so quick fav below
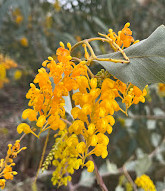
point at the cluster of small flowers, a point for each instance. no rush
(65, 158)
(92, 114)
(47, 102)
(5, 64)
(145, 182)
(6, 164)
(130, 94)
(124, 38)
(17, 15)
(93, 118)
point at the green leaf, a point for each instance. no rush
(112, 167)
(147, 61)
(155, 139)
(108, 167)
(87, 179)
(142, 165)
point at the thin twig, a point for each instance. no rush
(70, 185)
(129, 178)
(22, 137)
(66, 121)
(98, 176)
(42, 156)
(76, 59)
(89, 40)
(155, 151)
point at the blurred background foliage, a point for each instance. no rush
(30, 32)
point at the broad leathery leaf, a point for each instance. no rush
(147, 61)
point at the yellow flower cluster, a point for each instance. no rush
(6, 164)
(93, 118)
(18, 18)
(92, 114)
(47, 102)
(130, 94)
(65, 158)
(145, 182)
(124, 38)
(5, 64)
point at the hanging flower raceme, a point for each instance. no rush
(94, 104)
(6, 164)
(47, 91)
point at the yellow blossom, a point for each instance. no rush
(92, 114)
(23, 127)
(17, 74)
(2, 183)
(24, 42)
(30, 114)
(145, 182)
(6, 164)
(41, 121)
(90, 166)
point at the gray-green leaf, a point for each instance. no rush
(142, 165)
(147, 61)
(87, 179)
